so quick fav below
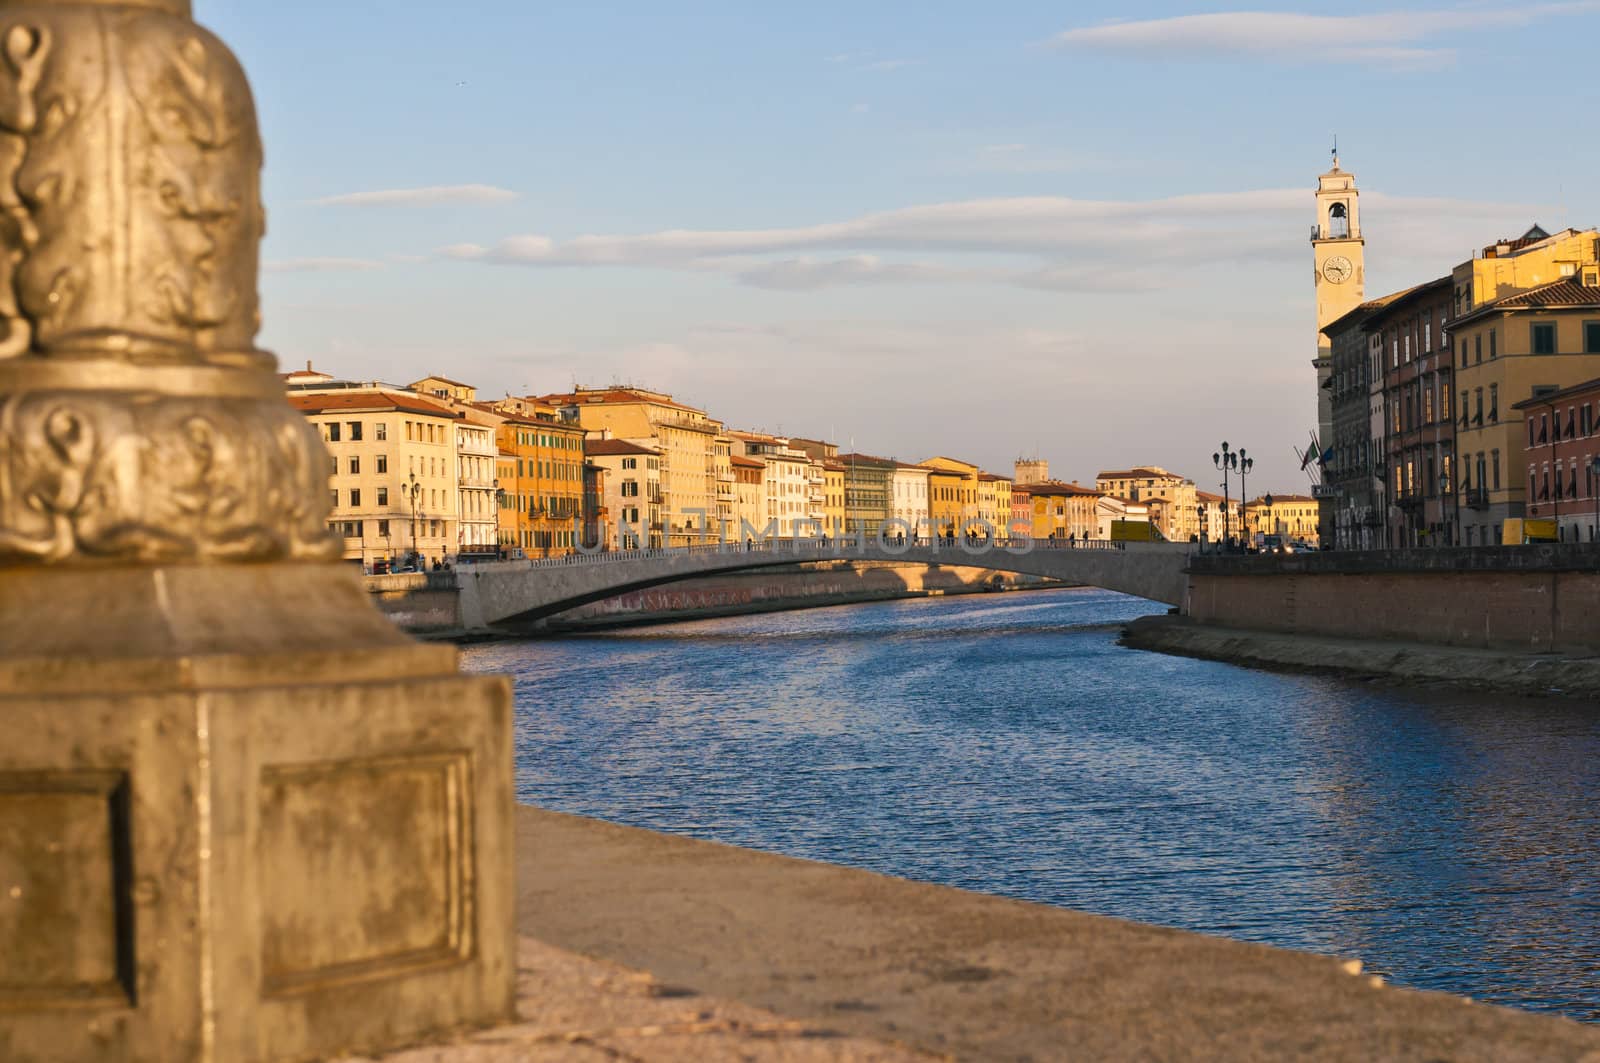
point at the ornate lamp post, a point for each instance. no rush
(244, 818)
(413, 490)
(1232, 461)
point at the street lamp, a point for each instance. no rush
(1444, 514)
(1594, 469)
(413, 489)
(1272, 521)
(1231, 461)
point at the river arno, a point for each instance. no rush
(1005, 743)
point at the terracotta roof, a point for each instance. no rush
(1056, 487)
(613, 396)
(445, 380)
(609, 447)
(846, 459)
(1566, 292)
(1393, 304)
(1207, 496)
(991, 477)
(1261, 500)
(747, 463)
(1136, 474)
(369, 401)
(1534, 402)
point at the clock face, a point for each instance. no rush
(1337, 269)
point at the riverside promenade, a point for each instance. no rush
(644, 946)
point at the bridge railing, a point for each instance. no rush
(971, 551)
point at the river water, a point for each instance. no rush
(1005, 743)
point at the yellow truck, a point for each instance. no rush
(1519, 530)
(1135, 531)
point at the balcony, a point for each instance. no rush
(1477, 498)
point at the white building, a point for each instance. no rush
(908, 496)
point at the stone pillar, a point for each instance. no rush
(241, 817)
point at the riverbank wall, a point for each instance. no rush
(1383, 660)
(428, 604)
(1542, 599)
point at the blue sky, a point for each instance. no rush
(986, 230)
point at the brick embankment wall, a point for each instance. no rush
(1515, 598)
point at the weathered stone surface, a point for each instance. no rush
(262, 871)
(976, 977)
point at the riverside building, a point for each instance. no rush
(1524, 321)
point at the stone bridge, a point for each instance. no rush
(516, 593)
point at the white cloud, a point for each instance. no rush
(433, 195)
(1300, 39)
(1044, 242)
(321, 265)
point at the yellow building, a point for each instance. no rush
(1526, 313)
(952, 496)
(549, 448)
(1180, 519)
(1294, 518)
(994, 503)
(393, 468)
(685, 438)
(442, 387)
(833, 511)
(1063, 510)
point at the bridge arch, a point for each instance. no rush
(516, 593)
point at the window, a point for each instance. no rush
(355, 431)
(335, 463)
(1494, 403)
(1544, 338)
(630, 463)
(383, 525)
(1463, 409)
(380, 431)
(1477, 415)
(1495, 455)
(1477, 348)
(355, 497)
(1427, 406)
(335, 496)
(1591, 337)
(383, 462)
(1463, 353)
(1492, 351)
(1427, 335)
(383, 496)
(333, 431)
(355, 466)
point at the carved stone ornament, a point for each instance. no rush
(138, 420)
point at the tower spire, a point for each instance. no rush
(1336, 151)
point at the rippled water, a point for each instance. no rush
(1005, 743)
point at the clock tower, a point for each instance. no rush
(1339, 275)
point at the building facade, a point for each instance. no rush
(1293, 518)
(908, 499)
(1507, 348)
(1419, 430)
(684, 438)
(952, 496)
(631, 474)
(393, 478)
(1561, 458)
(1064, 511)
(1179, 521)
